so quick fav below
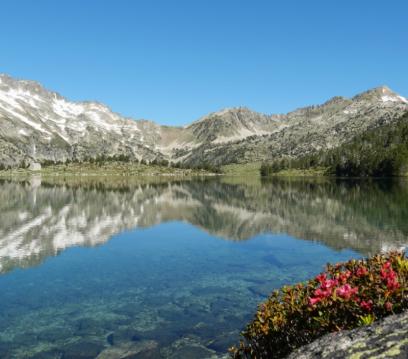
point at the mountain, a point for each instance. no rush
(377, 152)
(41, 125)
(37, 125)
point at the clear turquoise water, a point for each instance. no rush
(174, 284)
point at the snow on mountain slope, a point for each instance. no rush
(45, 126)
(39, 125)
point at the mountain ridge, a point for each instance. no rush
(38, 125)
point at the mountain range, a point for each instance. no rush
(37, 125)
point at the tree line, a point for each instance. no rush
(379, 152)
(103, 159)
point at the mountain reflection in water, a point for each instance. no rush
(39, 220)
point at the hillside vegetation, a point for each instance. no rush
(379, 152)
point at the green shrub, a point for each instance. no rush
(345, 296)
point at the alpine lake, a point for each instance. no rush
(158, 268)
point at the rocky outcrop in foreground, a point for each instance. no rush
(383, 339)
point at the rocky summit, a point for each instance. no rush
(37, 125)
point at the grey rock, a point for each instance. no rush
(82, 350)
(188, 348)
(383, 339)
(128, 350)
(192, 352)
(34, 166)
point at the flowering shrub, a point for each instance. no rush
(345, 296)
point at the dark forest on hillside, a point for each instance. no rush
(378, 152)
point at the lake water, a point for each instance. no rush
(139, 269)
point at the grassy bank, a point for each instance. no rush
(242, 169)
(105, 169)
(317, 172)
(254, 170)
(310, 172)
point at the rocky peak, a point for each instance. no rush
(26, 87)
(381, 93)
(335, 100)
(230, 124)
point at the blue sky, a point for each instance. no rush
(174, 61)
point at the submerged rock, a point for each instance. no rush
(82, 350)
(387, 338)
(128, 350)
(189, 347)
(192, 352)
(110, 339)
(222, 342)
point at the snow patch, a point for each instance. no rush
(350, 111)
(403, 99)
(26, 120)
(66, 109)
(387, 98)
(9, 100)
(22, 132)
(241, 134)
(12, 96)
(101, 122)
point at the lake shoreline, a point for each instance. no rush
(126, 169)
(106, 170)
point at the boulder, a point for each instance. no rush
(387, 338)
(34, 166)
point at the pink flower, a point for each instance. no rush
(330, 283)
(389, 276)
(346, 291)
(366, 305)
(343, 276)
(392, 283)
(321, 277)
(388, 306)
(314, 301)
(386, 270)
(322, 293)
(361, 271)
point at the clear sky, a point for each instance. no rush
(174, 61)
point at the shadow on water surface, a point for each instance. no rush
(183, 265)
